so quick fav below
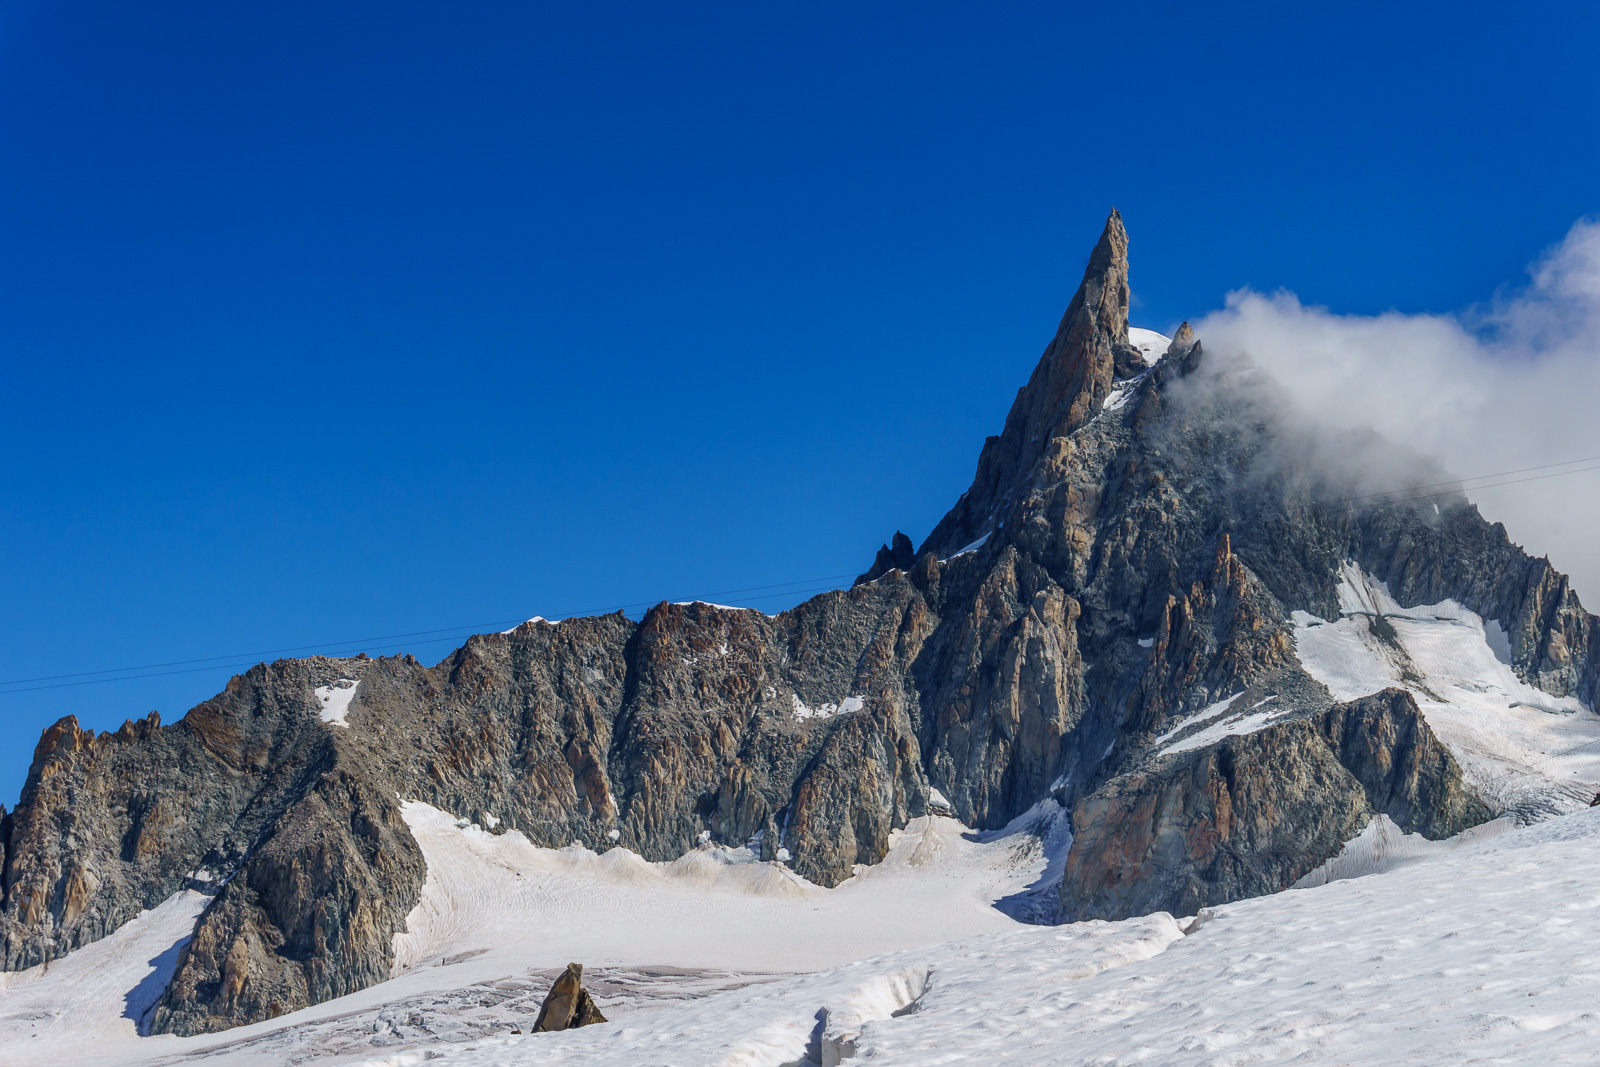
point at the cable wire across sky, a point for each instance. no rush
(808, 586)
(354, 646)
(1453, 485)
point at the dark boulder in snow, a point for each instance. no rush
(568, 1004)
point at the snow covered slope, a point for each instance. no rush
(1522, 749)
(1488, 952)
(102, 991)
(512, 904)
(498, 913)
(1486, 949)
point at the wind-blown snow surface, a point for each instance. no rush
(1523, 749)
(519, 905)
(1484, 949)
(1488, 952)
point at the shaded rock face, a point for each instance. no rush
(1254, 813)
(1112, 570)
(897, 555)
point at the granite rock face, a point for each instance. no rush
(1255, 812)
(1129, 552)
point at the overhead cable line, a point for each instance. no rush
(1470, 489)
(1454, 485)
(250, 658)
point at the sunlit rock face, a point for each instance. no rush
(1121, 613)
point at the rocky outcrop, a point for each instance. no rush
(1067, 388)
(1255, 812)
(309, 917)
(898, 555)
(568, 1004)
(1112, 570)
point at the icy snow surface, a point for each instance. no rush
(335, 700)
(1153, 345)
(1483, 949)
(1488, 952)
(1523, 749)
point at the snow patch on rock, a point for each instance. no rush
(803, 711)
(335, 700)
(1521, 748)
(979, 543)
(1150, 344)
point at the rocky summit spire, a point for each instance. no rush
(1182, 341)
(1067, 388)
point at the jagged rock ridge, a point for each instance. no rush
(1129, 552)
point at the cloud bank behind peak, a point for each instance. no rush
(1510, 384)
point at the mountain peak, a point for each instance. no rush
(1068, 387)
(1182, 340)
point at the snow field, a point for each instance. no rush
(1521, 748)
(495, 908)
(101, 991)
(1484, 948)
(1153, 345)
(1486, 952)
(510, 902)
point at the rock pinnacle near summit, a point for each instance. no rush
(1068, 386)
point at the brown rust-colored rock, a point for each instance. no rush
(568, 1004)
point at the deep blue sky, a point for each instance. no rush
(325, 321)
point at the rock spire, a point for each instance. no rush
(1067, 388)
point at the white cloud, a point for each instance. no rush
(1511, 384)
